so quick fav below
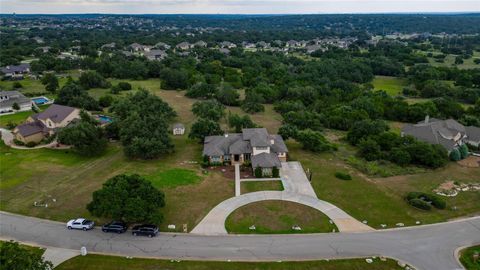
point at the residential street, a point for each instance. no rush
(424, 247)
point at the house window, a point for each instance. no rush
(215, 158)
(247, 156)
(261, 148)
(226, 157)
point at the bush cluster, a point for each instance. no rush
(343, 176)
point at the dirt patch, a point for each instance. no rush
(229, 171)
(470, 162)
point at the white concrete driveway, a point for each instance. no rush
(294, 179)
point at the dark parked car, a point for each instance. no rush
(147, 230)
(115, 226)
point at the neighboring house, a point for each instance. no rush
(15, 71)
(162, 46)
(263, 45)
(253, 145)
(292, 44)
(227, 44)
(448, 133)
(9, 98)
(184, 46)
(135, 47)
(46, 123)
(109, 46)
(248, 45)
(155, 55)
(224, 51)
(44, 49)
(178, 129)
(200, 44)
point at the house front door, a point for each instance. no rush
(236, 158)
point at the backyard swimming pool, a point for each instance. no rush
(104, 119)
(40, 100)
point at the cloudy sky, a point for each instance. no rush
(235, 6)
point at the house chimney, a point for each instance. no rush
(272, 141)
(427, 118)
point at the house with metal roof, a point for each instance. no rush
(253, 146)
(448, 133)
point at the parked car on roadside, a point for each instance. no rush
(146, 230)
(115, 226)
(80, 224)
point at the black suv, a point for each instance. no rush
(148, 230)
(115, 226)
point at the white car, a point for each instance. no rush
(80, 224)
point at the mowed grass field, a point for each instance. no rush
(466, 258)
(99, 262)
(277, 217)
(252, 186)
(392, 85)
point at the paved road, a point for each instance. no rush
(214, 222)
(429, 247)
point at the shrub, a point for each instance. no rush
(11, 125)
(438, 202)
(455, 155)
(31, 144)
(419, 203)
(258, 172)
(17, 85)
(275, 172)
(124, 86)
(18, 142)
(463, 151)
(343, 176)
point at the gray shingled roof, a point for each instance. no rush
(56, 113)
(178, 125)
(15, 69)
(241, 143)
(28, 129)
(436, 132)
(266, 160)
(473, 133)
(14, 97)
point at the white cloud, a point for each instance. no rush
(235, 6)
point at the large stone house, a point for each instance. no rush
(8, 99)
(448, 133)
(15, 72)
(44, 124)
(253, 145)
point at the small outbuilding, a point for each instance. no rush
(178, 129)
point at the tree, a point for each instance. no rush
(74, 95)
(105, 101)
(258, 172)
(15, 106)
(228, 95)
(17, 85)
(399, 156)
(365, 128)
(275, 172)
(51, 82)
(174, 79)
(202, 90)
(86, 137)
(240, 122)
(143, 125)
(130, 198)
(314, 141)
(288, 131)
(369, 149)
(13, 257)
(92, 79)
(209, 109)
(203, 128)
(253, 103)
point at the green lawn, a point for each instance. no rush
(252, 186)
(18, 118)
(466, 258)
(275, 217)
(100, 262)
(29, 85)
(392, 85)
(173, 177)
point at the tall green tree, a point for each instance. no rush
(130, 198)
(15, 257)
(203, 128)
(51, 82)
(209, 109)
